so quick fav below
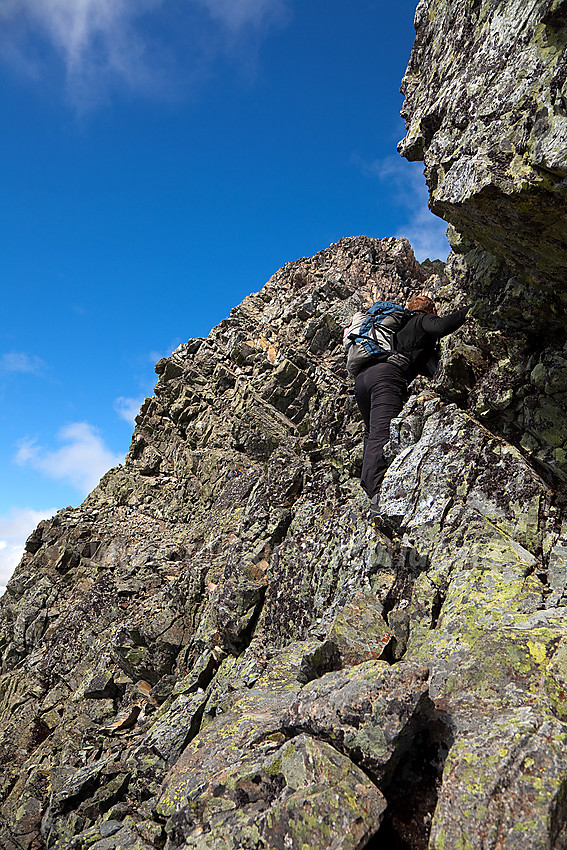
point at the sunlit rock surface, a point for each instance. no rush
(157, 641)
(486, 109)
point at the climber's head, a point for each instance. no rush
(421, 304)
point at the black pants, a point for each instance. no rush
(380, 392)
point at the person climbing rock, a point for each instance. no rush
(380, 388)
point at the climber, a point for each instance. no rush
(380, 388)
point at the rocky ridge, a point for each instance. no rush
(169, 647)
(220, 649)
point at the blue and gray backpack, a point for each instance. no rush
(371, 336)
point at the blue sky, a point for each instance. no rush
(160, 159)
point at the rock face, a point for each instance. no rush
(486, 109)
(198, 656)
(221, 649)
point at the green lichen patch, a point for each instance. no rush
(493, 771)
(359, 630)
(555, 681)
(307, 795)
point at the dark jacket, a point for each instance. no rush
(419, 338)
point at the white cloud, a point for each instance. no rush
(15, 528)
(427, 235)
(81, 461)
(128, 408)
(95, 39)
(103, 44)
(237, 15)
(425, 231)
(19, 361)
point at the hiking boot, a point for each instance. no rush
(374, 505)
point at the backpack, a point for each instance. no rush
(371, 336)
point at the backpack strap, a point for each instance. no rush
(400, 360)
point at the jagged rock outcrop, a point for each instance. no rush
(158, 641)
(486, 109)
(220, 648)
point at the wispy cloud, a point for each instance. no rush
(427, 235)
(128, 408)
(408, 189)
(80, 461)
(237, 15)
(132, 44)
(96, 40)
(19, 361)
(15, 528)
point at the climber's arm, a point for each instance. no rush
(439, 326)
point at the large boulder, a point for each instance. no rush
(485, 109)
